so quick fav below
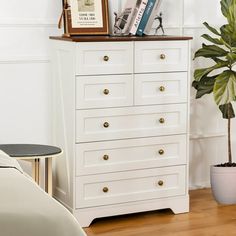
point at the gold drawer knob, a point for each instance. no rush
(162, 120)
(105, 189)
(161, 152)
(160, 182)
(105, 157)
(106, 124)
(162, 88)
(106, 58)
(106, 91)
(162, 56)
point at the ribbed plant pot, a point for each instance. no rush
(223, 184)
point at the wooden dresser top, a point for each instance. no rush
(123, 38)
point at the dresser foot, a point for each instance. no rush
(180, 205)
(85, 216)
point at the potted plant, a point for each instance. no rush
(220, 80)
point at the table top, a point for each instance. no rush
(117, 38)
(29, 150)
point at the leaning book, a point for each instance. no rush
(146, 15)
(140, 9)
(153, 15)
(126, 16)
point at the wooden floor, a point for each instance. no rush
(206, 218)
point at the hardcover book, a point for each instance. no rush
(154, 14)
(126, 16)
(140, 9)
(145, 18)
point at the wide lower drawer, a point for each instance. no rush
(104, 58)
(160, 88)
(161, 56)
(97, 190)
(122, 155)
(104, 91)
(130, 122)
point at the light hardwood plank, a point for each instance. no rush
(206, 218)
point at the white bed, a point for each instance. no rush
(26, 210)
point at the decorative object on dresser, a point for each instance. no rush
(136, 18)
(222, 83)
(85, 17)
(160, 25)
(121, 107)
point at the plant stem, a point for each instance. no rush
(229, 142)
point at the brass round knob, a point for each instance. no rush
(105, 189)
(160, 182)
(162, 88)
(106, 58)
(105, 157)
(161, 151)
(106, 91)
(163, 56)
(106, 124)
(162, 120)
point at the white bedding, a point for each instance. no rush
(26, 210)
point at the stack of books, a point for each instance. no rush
(138, 16)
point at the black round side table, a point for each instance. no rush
(33, 153)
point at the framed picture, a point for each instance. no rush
(86, 17)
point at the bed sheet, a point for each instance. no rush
(26, 210)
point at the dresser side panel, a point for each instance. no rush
(63, 58)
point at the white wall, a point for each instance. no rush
(25, 75)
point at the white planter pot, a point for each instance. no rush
(223, 184)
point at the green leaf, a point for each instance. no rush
(231, 57)
(227, 111)
(228, 34)
(204, 86)
(213, 30)
(225, 4)
(199, 73)
(212, 40)
(225, 87)
(228, 9)
(210, 51)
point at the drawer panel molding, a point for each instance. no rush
(130, 122)
(122, 155)
(163, 56)
(104, 91)
(160, 88)
(122, 187)
(104, 58)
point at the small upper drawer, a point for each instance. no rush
(130, 122)
(104, 58)
(161, 56)
(131, 154)
(114, 188)
(160, 88)
(104, 91)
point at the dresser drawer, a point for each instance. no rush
(104, 91)
(104, 58)
(162, 56)
(97, 190)
(160, 88)
(130, 122)
(122, 155)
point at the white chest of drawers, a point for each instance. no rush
(121, 114)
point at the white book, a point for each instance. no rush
(154, 13)
(137, 18)
(126, 16)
